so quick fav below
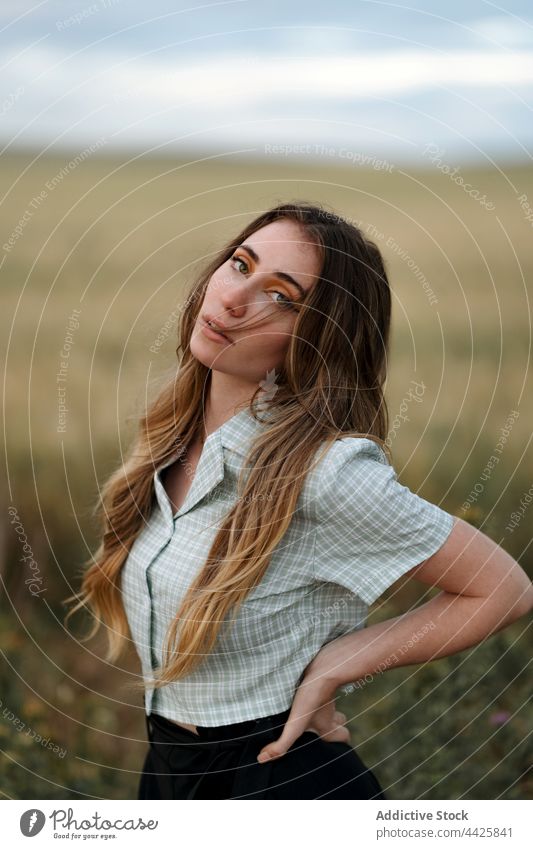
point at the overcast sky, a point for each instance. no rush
(370, 78)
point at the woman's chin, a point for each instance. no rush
(204, 353)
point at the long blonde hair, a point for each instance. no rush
(330, 386)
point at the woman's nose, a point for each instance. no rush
(234, 302)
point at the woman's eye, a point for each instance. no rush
(286, 303)
(237, 259)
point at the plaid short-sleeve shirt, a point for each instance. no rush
(355, 531)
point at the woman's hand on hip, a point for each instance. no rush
(313, 709)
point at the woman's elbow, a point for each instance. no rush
(519, 593)
(524, 602)
(507, 580)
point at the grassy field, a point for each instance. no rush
(114, 243)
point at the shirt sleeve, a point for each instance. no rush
(370, 528)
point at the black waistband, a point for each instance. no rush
(247, 728)
(212, 744)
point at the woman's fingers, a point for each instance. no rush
(307, 701)
(340, 734)
(313, 703)
(298, 721)
(335, 730)
(293, 728)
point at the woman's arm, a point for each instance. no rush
(483, 590)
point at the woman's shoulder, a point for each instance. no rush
(333, 456)
(347, 465)
(350, 446)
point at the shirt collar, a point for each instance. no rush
(238, 431)
(236, 434)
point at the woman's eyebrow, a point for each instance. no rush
(281, 274)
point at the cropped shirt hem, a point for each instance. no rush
(230, 717)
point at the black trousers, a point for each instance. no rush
(220, 763)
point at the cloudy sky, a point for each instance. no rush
(359, 76)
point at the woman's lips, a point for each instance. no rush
(214, 334)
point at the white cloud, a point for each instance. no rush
(217, 81)
(503, 30)
(104, 92)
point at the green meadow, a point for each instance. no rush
(96, 259)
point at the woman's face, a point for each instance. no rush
(250, 295)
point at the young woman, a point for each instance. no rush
(257, 516)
